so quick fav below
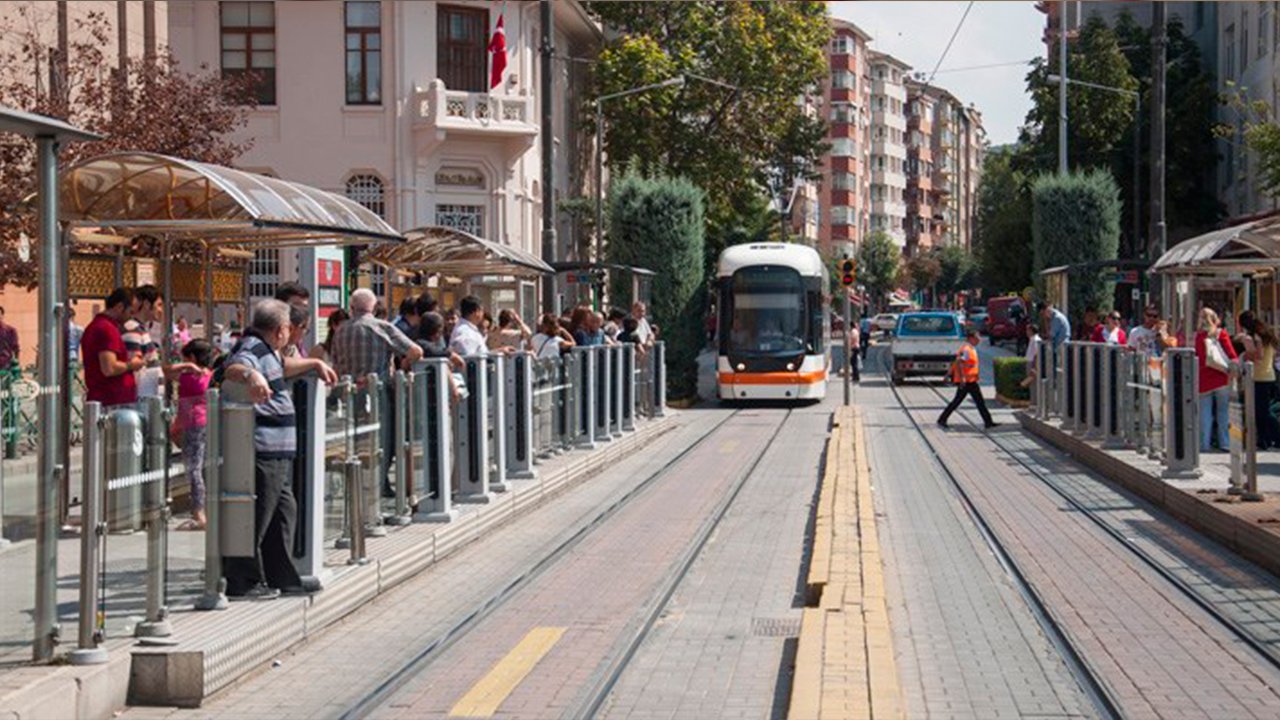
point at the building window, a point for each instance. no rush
(842, 45)
(1199, 16)
(368, 190)
(249, 45)
(1264, 21)
(467, 218)
(841, 215)
(842, 112)
(364, 53)
(844, 80)
(1229, 44)
(1244, 41)
(844, 181)
(842, 147)
(462, 57)
(264, 272)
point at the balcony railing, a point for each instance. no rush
(436, 107)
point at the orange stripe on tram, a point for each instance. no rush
(775, 378)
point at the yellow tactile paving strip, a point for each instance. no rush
(844, 663)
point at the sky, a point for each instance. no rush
(995, 32)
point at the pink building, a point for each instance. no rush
(845, 177)
(390, 103)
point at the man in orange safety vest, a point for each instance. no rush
(964, 373)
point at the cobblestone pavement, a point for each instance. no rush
(596, 595)
(725, 646)
(967, 645)
(1160, 655)
(323, 678)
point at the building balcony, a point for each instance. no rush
(448, 113)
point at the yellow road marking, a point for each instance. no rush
(484, 698)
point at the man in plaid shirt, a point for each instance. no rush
(365, 345)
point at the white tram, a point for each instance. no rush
(773, 329)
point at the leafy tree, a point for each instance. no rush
(152, 107)
(878, 260)
(1260, 132)
(957, 269)
(733, 140)
(1098, 120)
(1076, 219)
(1191, 201)
(1002, 237)
(922, 272)
(658, 223)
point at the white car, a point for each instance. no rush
(885, 322)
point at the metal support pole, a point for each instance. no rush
(155, 519)
(1158, 72)
(599, 180)
(519, 415)
(546, 95)
(1251, 493)
(90, 651)
(585, 380)
(1062, 88)
(603, 392)
(1181, 420)
(50, 362)
(1112, 406)
(215, 587)
(848, 351)
(629, 386)
(614, 353)
(473, 435)
(401, 407)
(372, 509)
(354, 485)
(432, 399)
(497, 410)
(659, 378)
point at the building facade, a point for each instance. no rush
(843, 197)
(1248, 40)
(390, 103)
(946, 148)
(888, 208)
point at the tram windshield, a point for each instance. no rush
(767, 312)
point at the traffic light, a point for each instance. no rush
(848, 275)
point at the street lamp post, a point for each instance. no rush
(1137, 144)
(599, 102)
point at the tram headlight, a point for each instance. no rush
(791, 366)
(741, 367)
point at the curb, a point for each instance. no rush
(218, 648)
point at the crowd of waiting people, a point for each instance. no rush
(124, 363)
(1255, 341)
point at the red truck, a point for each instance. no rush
(1007, 319)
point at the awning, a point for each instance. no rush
(135, 193)
(447, 251)
(1254, 244)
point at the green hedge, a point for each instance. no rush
(1076, 219)
(1009, 372)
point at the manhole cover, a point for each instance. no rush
(775, 627)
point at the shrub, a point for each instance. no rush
(1076, 219)
(1009, 374)
(657, 223)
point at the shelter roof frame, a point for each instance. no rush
(1249, 247)
(137, 193)
(449, 251)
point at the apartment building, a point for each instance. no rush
(1248, 45)
(844, 190)
(391, 104)
(888, 160)
(946, 147)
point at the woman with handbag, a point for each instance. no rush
(1214, 353)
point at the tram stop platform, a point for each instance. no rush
(212, 650)
(1251, 529)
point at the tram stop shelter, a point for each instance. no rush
(590, 278)
(195, 223)
(1232, 270)
(1057, 281)
(460, 262)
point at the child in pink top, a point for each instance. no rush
(192, 419)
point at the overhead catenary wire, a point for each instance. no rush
(950, 42)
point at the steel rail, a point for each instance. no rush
(595, 701)
(424, 658)
(1099, 693)
(1269, 654)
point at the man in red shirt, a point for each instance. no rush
(108, 367)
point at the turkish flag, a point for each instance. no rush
(498, 49)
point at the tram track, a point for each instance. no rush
(1089, 679)
(1267, 652)
(616, 665)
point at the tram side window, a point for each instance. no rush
(817, 334)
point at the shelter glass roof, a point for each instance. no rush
(436, 249)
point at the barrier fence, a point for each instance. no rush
(1148, 404)
(373, 453)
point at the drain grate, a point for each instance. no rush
(775, 627)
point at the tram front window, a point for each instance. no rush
(768, 313)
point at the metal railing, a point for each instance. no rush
(1149, 404)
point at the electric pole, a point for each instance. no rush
(1156, 241)
(1062, 87)
(547, 102)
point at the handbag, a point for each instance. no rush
(1214, 356)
